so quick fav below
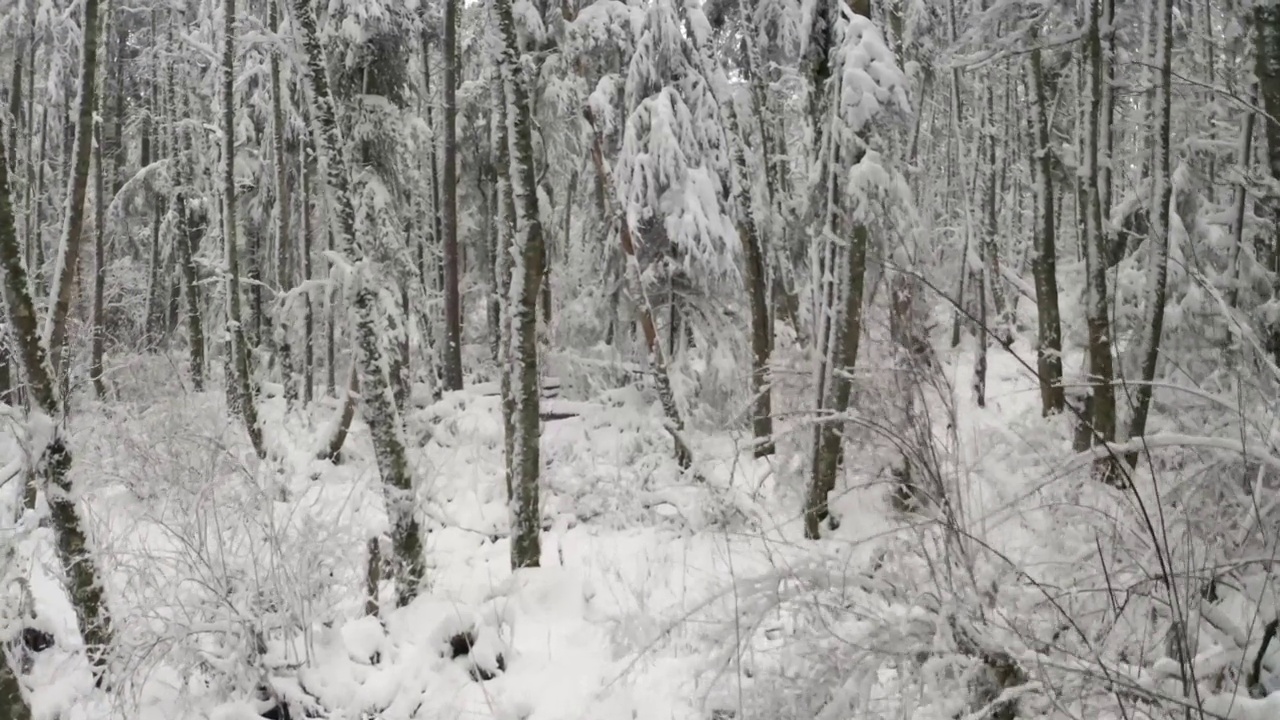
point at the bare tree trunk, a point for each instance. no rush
(35, 229)
(844, 339)
(1267, 44)
(506, 216)
(99, 268)
(333, 446)
(246, 404)
(78, 564)
(990, 245)
(55, 329)
(35, 225)
(331, 332)
(1102, 401)
(381, 413)
(986, 156)
(758, 297)
(847, 266)
(12, 703)
(1044, 263)
(190, 229)
(283, 207)
(436, 208)
(1158, 245)
(155, 283)
(1241, 201)
(308, 348)
(452, 299)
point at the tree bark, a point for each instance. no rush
(437, 223)
(522, 299)
(1044, 263)
(308, 329)
(408, 567)
(1267, 45)
(156, 281)
(452, 298)
(1244, 159)
(54, 463)
(1158, 245)
(1102, 399)
(69, 249)
(246, 405)
(35, 226)
(283, 207)
(758, 298)
(332, 449)
(97, 321)
(190, 229)
(847, 267)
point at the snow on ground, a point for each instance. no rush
(659, 597)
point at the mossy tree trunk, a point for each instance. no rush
(529, 254)
(408, 566)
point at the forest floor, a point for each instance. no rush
(660, 597)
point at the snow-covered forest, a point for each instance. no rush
(639, 359)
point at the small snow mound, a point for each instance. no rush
(550, 592)
(365, 639)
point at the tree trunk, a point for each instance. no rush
(1244, 160)
(1044, 264)
(308, 330)
(190, 229)
(12, 703)
(758, 298)
(97, 321)
(436, 208)
(1102, 403)
(506, 216)
(1267, 44)
(283, 207)
(662, 379)
(844, 339)
(522, 300)
(242, 391)
(452, 299)
(78, 564)
(1158, 245)
(333, 446)
(35, 226)
(847, 266)
(408, 567)
(331, 330)
(155, 279)
(55, 329)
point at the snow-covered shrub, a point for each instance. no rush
(212, 576)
